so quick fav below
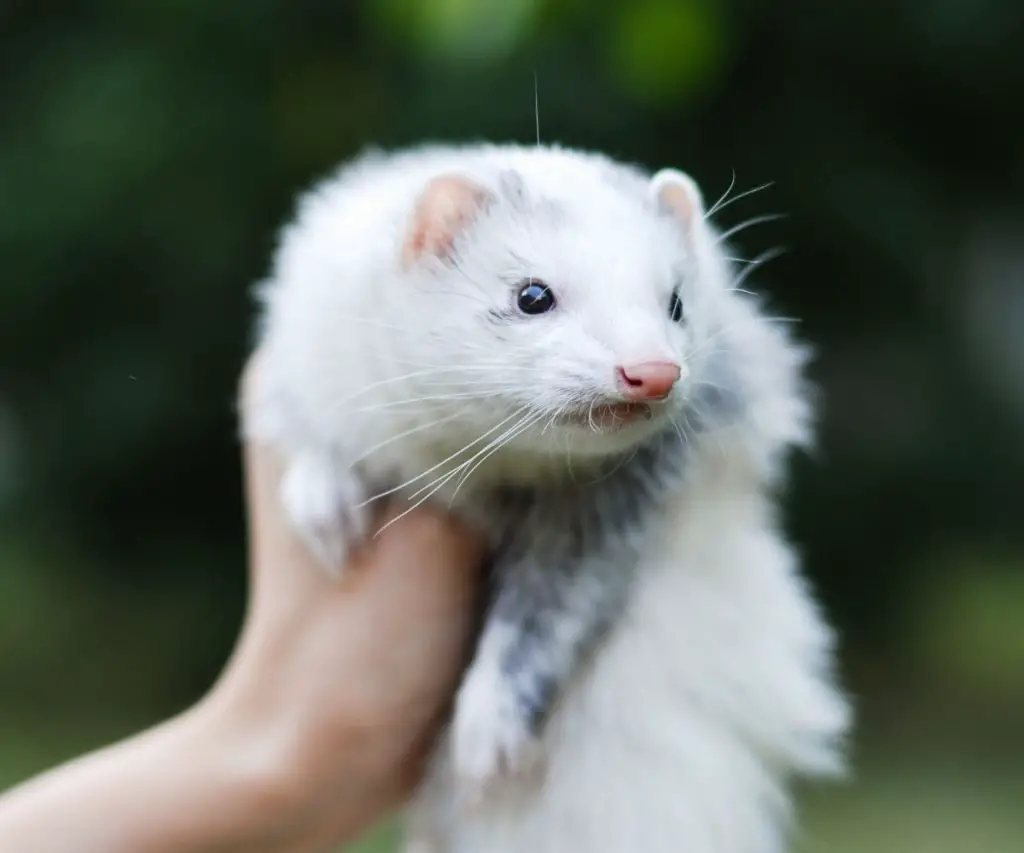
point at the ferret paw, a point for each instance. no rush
(491, 739)
(323, 501)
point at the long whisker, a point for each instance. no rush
(477, 365)
(391, 381)
(712, 338)
(621, 464)
(759, 261)
(554, 417)
(468, 466)
(490, 382)
(536, 106)
(418, 428)
(718, 208)
(443, 462)
(440, 483)
(749, 223)
(680, 432)
(497, 444)
(430, 398)
(723, 197)
(437, 484)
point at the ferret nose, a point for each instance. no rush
(649, 380)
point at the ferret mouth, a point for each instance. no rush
(606, 416)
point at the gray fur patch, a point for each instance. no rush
(566, 554)
(565, 568)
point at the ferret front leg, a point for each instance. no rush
(324, 501)
(550, 611)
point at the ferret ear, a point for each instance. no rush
(445, 207)
(677, 194)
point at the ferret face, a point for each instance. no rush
(573, 323)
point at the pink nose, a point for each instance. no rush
(649, 380)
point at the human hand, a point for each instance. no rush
(344, 683)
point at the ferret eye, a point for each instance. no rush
(675, 308)
(535, 297)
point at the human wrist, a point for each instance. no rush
(244, 779)
(306, 776)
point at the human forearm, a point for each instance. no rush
(318, 727)
(198, 783)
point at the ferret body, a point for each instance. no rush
(550, 343)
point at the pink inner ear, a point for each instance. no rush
(448, 204)
(678, 199)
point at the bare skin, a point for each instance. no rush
(319, 725)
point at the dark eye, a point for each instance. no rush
(535, 297)
(675, 308)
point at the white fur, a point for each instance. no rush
(716, 688)
(686, 730)
(488, 737)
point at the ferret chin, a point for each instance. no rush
(555, 346)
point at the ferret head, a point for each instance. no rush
(574, 309)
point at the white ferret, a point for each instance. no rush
(552, 344)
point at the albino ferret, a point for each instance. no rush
(553, 344)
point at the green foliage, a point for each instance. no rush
(666, 52)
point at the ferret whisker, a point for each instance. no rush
(436, 484)
(430, 398)
(680, 432)
(373, 386)
(465, 468)
(418, 428)
(713, 338)
(759, 261)
(440, 482)
(497, 386)
(625, 460)
(444, 479)
(749, 223)
(713, 343)
(528, 421)
(689, 428)
(701, 347)
(707, 383)
(443, 462)
(477, 365)
(723, 197)
(718, 208)
(554, 418)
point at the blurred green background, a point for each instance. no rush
(149, 151)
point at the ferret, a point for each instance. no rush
(553, 344)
